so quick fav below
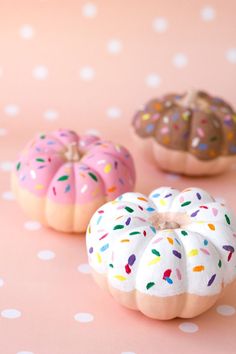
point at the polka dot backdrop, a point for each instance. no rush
(88, 66)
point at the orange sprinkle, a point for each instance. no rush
(158, 106)
(111, 189)
(211, 227)
(141, 198)
(170, 240)
(118, 217)
(166, 140)
(230, 135)
(198, 268)
(212, 153)
(125, 240)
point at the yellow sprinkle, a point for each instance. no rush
(125, 240)
(39, 186)
(89, 229)
(107, 168)
(154, 261)
(170, 240)
(120, 277)
(99, 258)
(230, 135)
(145, 116)
(234, 117)
(162, 202)
(114, 201)
(193, 252)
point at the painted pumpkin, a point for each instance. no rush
(60, 178)
(193, 134)
(167, 255)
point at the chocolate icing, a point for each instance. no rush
(196, 122)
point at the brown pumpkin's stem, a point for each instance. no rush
(189, 100)
(72, 153)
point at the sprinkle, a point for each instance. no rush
(219, 263)
(143, 199)
(156, 252)
(167, 273)
(168, 195)
(18, 166)
(111, 265)
(93, 176)
(128, 221)
(120, 277)
(200, 132)
(39, 186)
(162, 202)
(228, 248)
(102, 237)
(204, 251)
(198, 268)
(169, 280)
(154, 261)
(186, 203)
(205, 242)
(153, 229)
(198, 196)
(84, 188)
(67, 189)
(193, 252)
(99, 219)
(170, 240)
(144, 233)
(118, 227)
(91, 250)
(149, 285)
(202, 146)
(63, 178)
(211, 227)
(131, 259)
(211, 280)
(99, 258)
(107, 168)
(176, 254)
(105, 247)
(150, 128)
(195, 142)
(178, 274)
(184, 233)
(145, 116)
(195, 213)
(54, 190)
(214, 211)
(150, 209)
(134, 233)
(130, 210)
(125, 240)
(156, 195)
(39, 160)
(227, 219)
(127, 269)
(111, 189)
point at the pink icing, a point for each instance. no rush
(103, 168)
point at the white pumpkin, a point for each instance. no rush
(167, 255)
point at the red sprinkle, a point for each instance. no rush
(127, 269)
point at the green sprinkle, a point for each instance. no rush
(186, 203)
(156, 253)
(130, 210)
(111, 265)
(117, 227)
(134, 233)
(184, 233)
(40, 160)
(18, 166)
(63, 178)
(92, 175)
(42, 136)
(227, 219)
(149, 285)
(219, 263)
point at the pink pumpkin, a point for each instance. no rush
(61, 178)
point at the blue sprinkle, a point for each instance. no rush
(105, 247)
(170, 281)
(150, 128)
(202, 146)
(175, 116)
(205, 242)
(99, 219)
(156, 195)
(153, 229)
(150, 209)
(177, 241)
(67, 189)
(50, 142)
(232, 148)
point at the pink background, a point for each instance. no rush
(89, 66)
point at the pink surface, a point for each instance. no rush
(65, 69)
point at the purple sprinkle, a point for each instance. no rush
(176, 254)
(128, 221)
(168, 195)
(211, 280)
(91, 250)
(195, 213)
(131, 259)
(199, 196)
(116, 164)
(228, 248)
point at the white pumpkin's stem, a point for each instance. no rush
(189, 100)
(72, 153)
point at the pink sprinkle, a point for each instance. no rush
(204, 251)
(102, 237)
(158, 240)
(54, 190)
(181, 199)
(164, 130)
(200, 132)
(178, 274)
(100, 211)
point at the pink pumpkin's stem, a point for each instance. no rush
(72, 153)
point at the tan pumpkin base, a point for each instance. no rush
(162, 308)
(183, 162)
(61, 217)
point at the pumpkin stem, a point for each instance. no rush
(189, 100)
(72, 153)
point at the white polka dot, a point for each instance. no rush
(153, 80)
(226, 310)
(11, 110)
(114, 46)
(40, 72)
(84, 317)
(180, 60)
(89, 10)
(26, 32)
(8, 195)
(87, 73)
(188, 327)
(24, 352)
(208, 13)
(51, 114)
(1, 282)
(46, 255)
(11, 313)
(114, 112)
(231, 55)
(84, 268)
(160, 24)
(32, 225)
(6, 166)
(3, 132)
(93, 132)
